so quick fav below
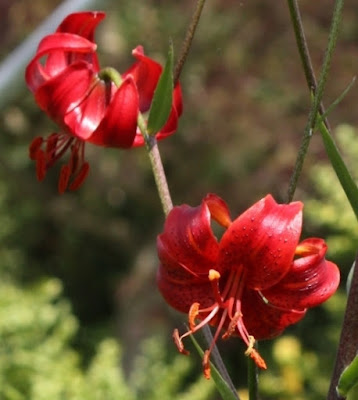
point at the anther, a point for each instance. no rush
(193, 313)
(214, 275)
(232, 325)
(80, 178)
(179, 343)
(40, 165)
(206, 364)
(35, 147)
(65, 174)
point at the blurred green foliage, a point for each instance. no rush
(245, 106)
(330, 202)
(38, 362)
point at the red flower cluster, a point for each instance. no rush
(254, 282)
(84, 101)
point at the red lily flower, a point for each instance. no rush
(254, 282)
(84, 101)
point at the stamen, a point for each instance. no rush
(254, 354)
(65, 174)
(214, 277)
(178, 342)
(81, 176)
(206, 364)
(232, 325)
(259, 361)
(40, 165)
(51, 145)
(35, 147)
(193, 313)
(74, 159)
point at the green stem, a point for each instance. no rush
(303, 50)
(316, 105)
(252, 379)
(157, 166)
(188, 39)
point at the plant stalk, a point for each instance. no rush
(188, 40)
(316, 89)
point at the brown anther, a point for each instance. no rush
(179, 343)
(206, 364)
(259, 361)
(254, 354)
(193, 313)
(40, 165)
(34, 147)
(81, 176)
(231, 328)
(65, 174)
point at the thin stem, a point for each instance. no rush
(157, 167)
(252, 379)
(188, 40)
(318, 93)
(159, 174)
(348, 344)
(303, 50)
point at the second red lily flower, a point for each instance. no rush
(84, 100)
(254, 282)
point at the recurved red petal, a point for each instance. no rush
(146, 73)
(58, 47)
(63, 93)
(263, 240)
(264, 321)
(180, 286)
(118, 127)
(82, 23)
(311, 280)
(187, 250)
(189, 239)
(83, 119)
(218, 209)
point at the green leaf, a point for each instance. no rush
(345, 178)
(348, 379)
(162, 100)
(221, 385)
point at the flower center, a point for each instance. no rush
(47, 151)
(224, 313)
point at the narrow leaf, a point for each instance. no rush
(345, 179)
(162, 100)
(348, 379)
(221, 385)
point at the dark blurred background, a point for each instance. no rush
(245, 108)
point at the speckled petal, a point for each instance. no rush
(264, 321)
(311, 280)
(263, 240)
